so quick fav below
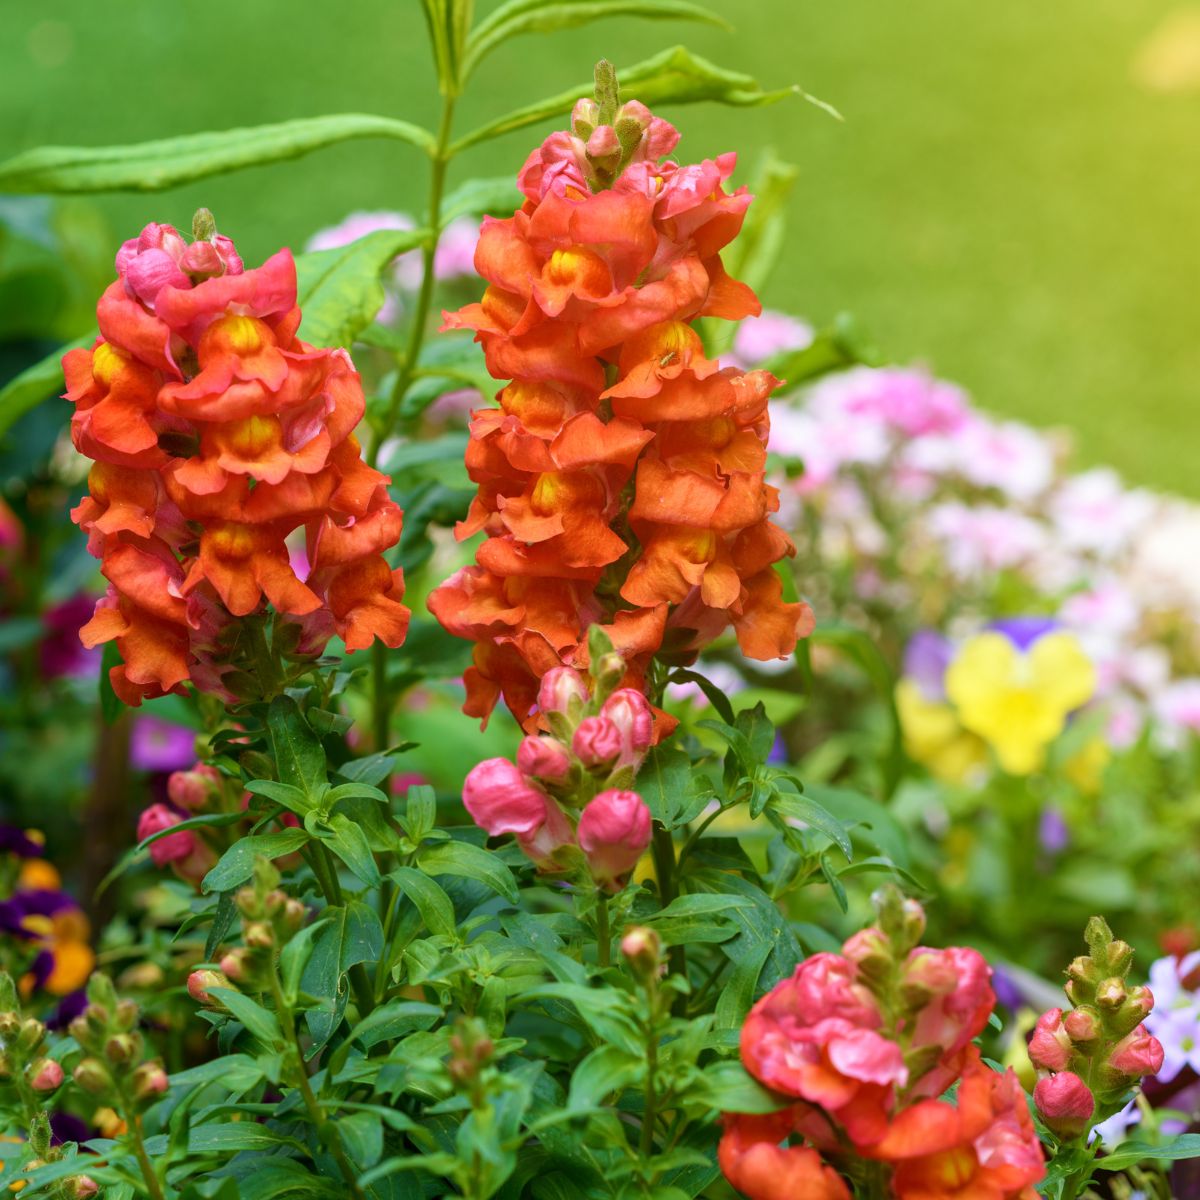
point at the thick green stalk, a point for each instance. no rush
(603, 932)
(326, 1131)
(663, 851)
(420, 316)
(133, 1123)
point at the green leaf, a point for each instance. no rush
(348, 841)
(223, 919)
(420, 813)
(675, 76)
(291, 798)
(168, 162)
(844, 344)
(882, 830)
(111, 705)
(299, 756)
(666, 781)
(606, 1070)
(1131, 1154)
(731, 1088)
(295, 956)
(498, 194)
(713, 694)
(37, 383)
(257, 1020)
(394, 1020)
(794, 806)
(353, 935)
(236, 865)
(340, 291)
(471, 862)
(696, 918)
(435, 907)
(519, 17)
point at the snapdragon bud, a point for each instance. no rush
(563, 691)
(10, 1024)
(82, 1187)
(544, 758)
(641, 948)
(613, 832)
(92, 1075)
(238, 964)
(258, 935)
(122, 1048)
(1137, 1054)
(1111, 994)
(200, 981)
(32, 1034)
(1050, 1046)
(1066, 1103)
(126, 1015)
(585, 116)
(597, 742)
(1083, 1025)
(45, 1075)
(149, 1081)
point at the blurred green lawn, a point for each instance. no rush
(1002, 201)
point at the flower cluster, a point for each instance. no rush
(859, 1046)
(1010, 688)
(1089, 1057)
(621, 479)
(189, 793)
(50, 946)
(919, 505)
(587, 761)
(216, 433)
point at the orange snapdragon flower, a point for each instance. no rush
(621, 480)
(217, 433)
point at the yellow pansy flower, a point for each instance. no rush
(1018, 701)
(934, 736)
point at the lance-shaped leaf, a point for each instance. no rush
(676, 76)
(339, 290)
(168, 162)
(36, 383)
(537, 16)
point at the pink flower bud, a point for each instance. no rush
(82, 1187)
(194, 789)
(561, 688)
(1083, 1024)
(501, 800)
(1137, 1054)
(584, 117)
(630, 712)
(169, 849)
(544, 758)
(1050, 1047)
(198, 983)
(603, 142)
(1065, 1102)
(642, 949)
(635, 110)
(45, 1075)
(597, 742)
(149, 1081)
(543, 843)
(614, 831)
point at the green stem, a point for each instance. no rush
(381, 702)
(326, 1131)
(603, 933)
(420, 317)
(650, 1112)
(133, 1122)
(663, 850)
(266, 667)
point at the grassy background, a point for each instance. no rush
(1003, 201)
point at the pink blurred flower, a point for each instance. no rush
(770, 333)
(1095, 512)
(194, 789)
(455, 255)
(980, 541)
(406, 268)
(156, 745)
(501, 800)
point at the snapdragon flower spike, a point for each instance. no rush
(216, 432)
(621, 477)
(861, 1045)
(1101, 1039)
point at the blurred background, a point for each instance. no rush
(1011, 197)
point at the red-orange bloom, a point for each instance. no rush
(621, 479)
(985, 1148)
(216, 433)
(752, 1159)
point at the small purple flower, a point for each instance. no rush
(1175, 1020)
(926, 658)
(779, 751)
(69, 1007)
(1053, 834)
(63, 655)
(161, 746)
(65, 1127)
(1008, 993)
(17, 841)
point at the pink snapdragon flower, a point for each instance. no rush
(614, 831)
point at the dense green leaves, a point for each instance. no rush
(236, 865)
(168, 162)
